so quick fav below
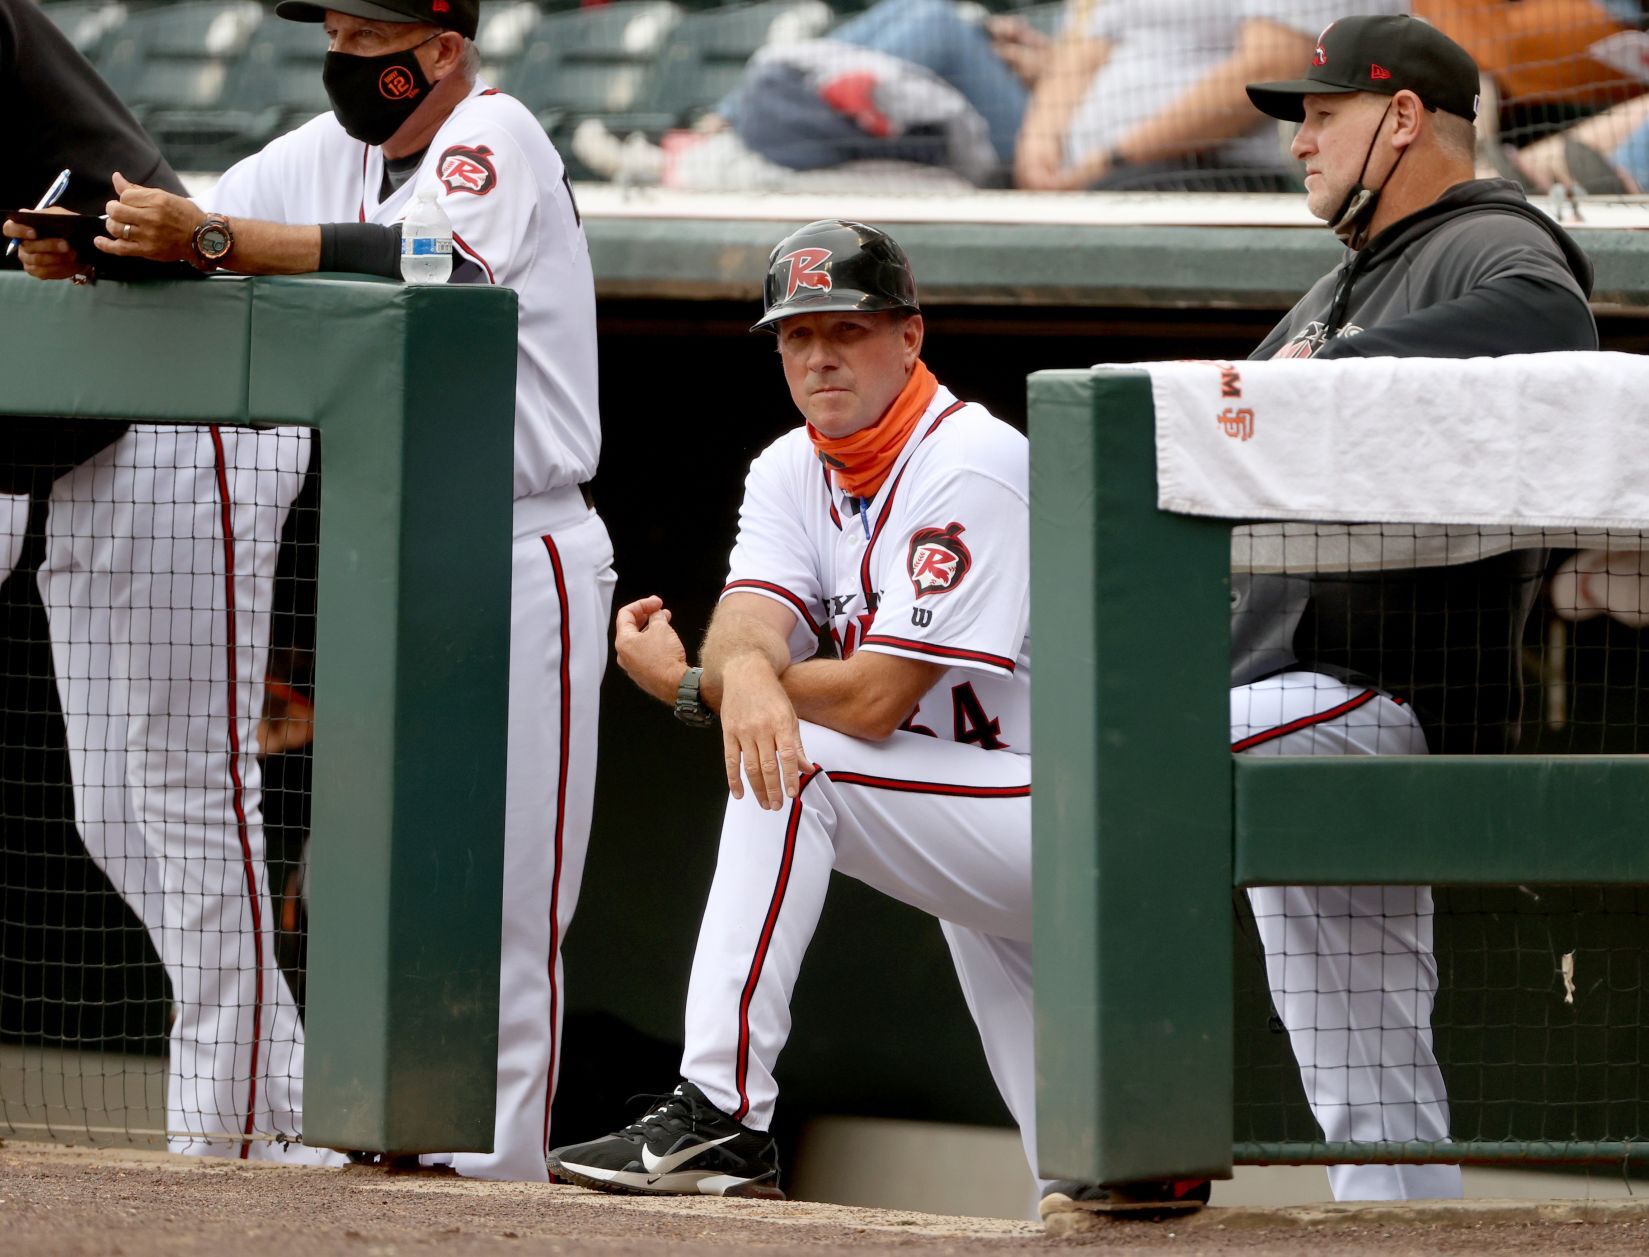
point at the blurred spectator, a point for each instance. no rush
(1149, 93)
(1131, 94)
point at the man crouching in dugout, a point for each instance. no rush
(1438, 265)
(896, 518)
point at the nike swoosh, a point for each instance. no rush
(659, 1166)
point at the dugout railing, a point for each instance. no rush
(413, 391)
(1144, 822)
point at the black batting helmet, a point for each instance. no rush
(836, 265)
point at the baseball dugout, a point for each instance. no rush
(1154, 1056)
(412, 391)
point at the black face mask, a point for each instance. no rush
(373, 96)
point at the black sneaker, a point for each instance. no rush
(1159, 1198)
(684, 1146)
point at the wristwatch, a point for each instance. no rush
(690, 708)
(212, 242)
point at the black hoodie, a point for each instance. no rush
(1477, 273)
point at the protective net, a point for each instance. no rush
(1458, 1022)
(935, 96)
(158, 661)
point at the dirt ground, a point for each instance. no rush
(80, 1202)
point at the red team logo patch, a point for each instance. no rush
(939, 559)
(396, 84)
(805, 272)
(468, 170)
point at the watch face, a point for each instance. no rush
(214, 241)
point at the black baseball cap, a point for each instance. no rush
(1379, 54)
(462, 16)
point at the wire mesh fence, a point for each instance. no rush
(158, 662)
(1448, 1023)
(914, 95)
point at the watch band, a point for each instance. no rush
(690, 708)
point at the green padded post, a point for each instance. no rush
(416, 399)
(413, 389)
(1131, 808)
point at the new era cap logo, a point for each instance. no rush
(1378, 72)
(441, 6)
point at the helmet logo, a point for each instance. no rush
(805, 271)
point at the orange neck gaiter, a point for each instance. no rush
(861, 462)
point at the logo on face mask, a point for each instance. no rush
(805, 272)
(396, 84)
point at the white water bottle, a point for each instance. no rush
(426, 241)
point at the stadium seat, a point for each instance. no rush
(709, 50)
(276, 84)
(590, 63)
(502, 37)
(172, 66)
(89, 24)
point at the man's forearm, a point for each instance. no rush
(264, 248)
(825, 692)
(1216, 107)
(1072, 64)
(735, 641)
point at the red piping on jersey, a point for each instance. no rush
(830, 497)
(887, 506)
(365, 152)
(238, 792)
(943, 652)
(462, 244)
(795, 602)
(1305, 722)
(782, 882)
(491, 91)
(560, 824)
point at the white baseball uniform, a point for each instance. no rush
(157, 580)
(514, 221)
(1351, 968)
(935, 568)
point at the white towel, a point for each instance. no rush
(1531, 442)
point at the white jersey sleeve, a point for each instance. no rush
(773, 556)
(494, 194)
(953, 576)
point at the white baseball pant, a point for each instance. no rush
(560, 603)
(938, 825)
(1351, 968)
(157, 580)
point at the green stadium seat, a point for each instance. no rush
(172, 67)
(592, 63)
(709, 50)
(505, 28)
(276, 83)
(89, 24)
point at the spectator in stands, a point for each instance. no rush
(1148, 94)
(1139, 94)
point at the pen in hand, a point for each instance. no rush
(60, 185)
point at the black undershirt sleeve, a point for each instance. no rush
(1519, 314)
(362, 248)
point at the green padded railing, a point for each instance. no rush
(413, 390)
(1143, 821)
